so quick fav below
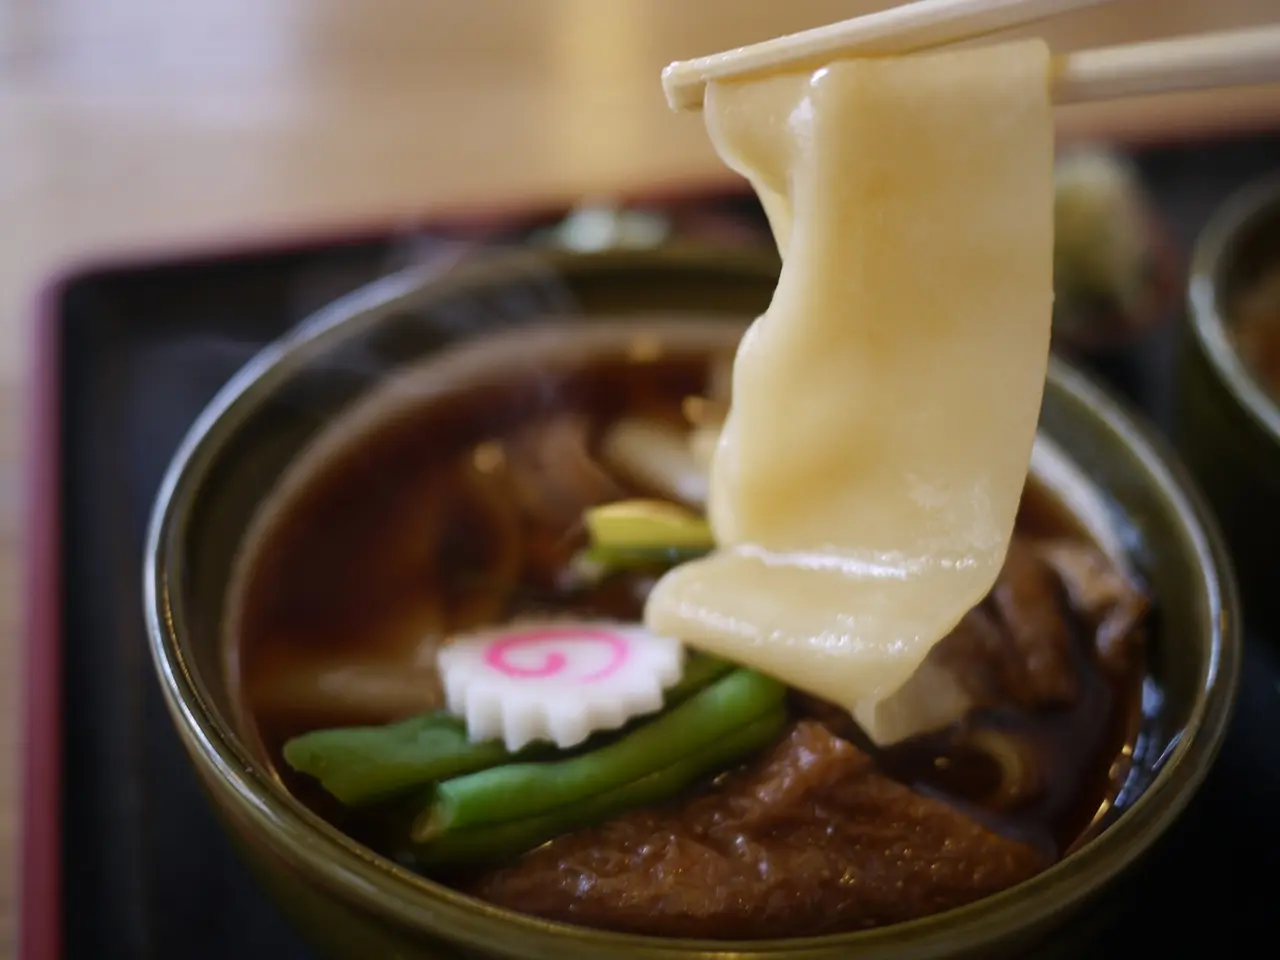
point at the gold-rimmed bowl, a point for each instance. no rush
(354, 903)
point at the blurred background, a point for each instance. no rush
(137, 127)
(143, 122)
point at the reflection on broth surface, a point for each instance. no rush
(464, 505)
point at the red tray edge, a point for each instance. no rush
(39, 928)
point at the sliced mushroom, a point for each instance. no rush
(703, 441)
(1021, 776)
(334, 691)
(656, 457)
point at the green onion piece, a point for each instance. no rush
(640, 559)
(646, 524)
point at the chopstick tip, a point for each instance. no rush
(683, 92)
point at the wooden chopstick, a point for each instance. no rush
(899, 30)
(1231, 58)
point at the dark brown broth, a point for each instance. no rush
(378, 549)
(1255, 328)
(386, 545)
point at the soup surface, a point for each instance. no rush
(1256, 330)
(464, 506)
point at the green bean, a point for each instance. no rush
(700, 671)
(363, 765)
(522, 790)
(490, 843)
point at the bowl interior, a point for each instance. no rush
(274, 408)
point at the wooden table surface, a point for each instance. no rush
(140, 124)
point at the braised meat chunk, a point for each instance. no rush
(1028, 602)
(1022, 647)
(807, 840)
(1100, 593)
(1014, 648)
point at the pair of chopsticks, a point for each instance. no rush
(1230, 58)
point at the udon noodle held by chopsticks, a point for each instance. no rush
(864, 490)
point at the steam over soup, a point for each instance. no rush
(656, 627)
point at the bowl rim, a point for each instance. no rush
(1212, 253)
(384, 889)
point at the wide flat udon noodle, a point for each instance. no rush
(865, 486)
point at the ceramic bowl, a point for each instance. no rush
(1228, 425)
(354, 904)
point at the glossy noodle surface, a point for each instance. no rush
(865, 485)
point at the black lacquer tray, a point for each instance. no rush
(121, 855)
